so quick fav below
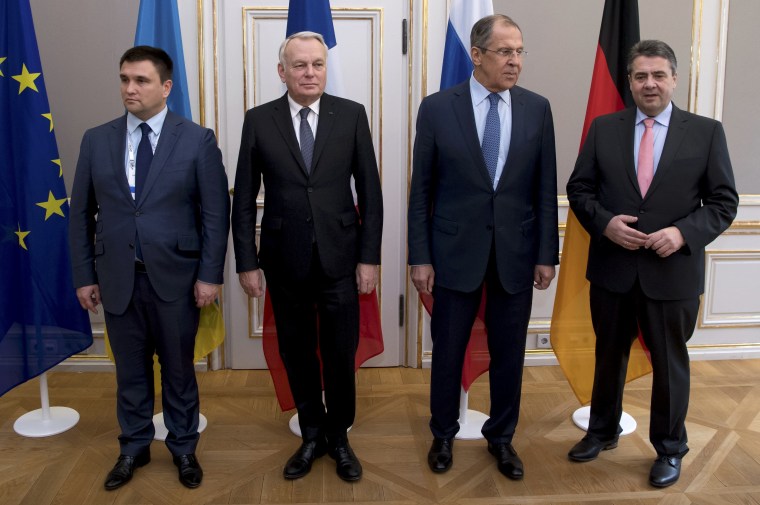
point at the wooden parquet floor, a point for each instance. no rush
(247, 442)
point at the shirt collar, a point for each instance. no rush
(478, 92)
(662, 118)
(295, 107)
(156, 123)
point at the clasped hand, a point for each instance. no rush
(664, 242)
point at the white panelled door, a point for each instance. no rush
(240, 71)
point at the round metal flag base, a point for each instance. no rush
(295, 428)
(162, 432)
(34, 424)
(470, 428)
(581, 417)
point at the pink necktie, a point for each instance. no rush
(645, 168)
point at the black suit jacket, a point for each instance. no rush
(455, 215)
(182, 215)
(693, 189)
(300, 209)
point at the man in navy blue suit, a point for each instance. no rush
(483, 210)
(148, 236)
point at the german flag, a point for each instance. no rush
(572, 334)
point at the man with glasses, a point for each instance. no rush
(483, 212)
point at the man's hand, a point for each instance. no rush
(251, 283)
(542, 276)
(623, 235)
(665, 242)
(89, 297)
(423, 278)
(366, 278)
(205, 294)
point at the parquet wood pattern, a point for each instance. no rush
(248, 441)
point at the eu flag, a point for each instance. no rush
(41, 322)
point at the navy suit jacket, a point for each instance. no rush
(693, 189)
(182, 215)
(456, 218)
(301, 208)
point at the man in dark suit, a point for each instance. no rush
(148, 236)
(318, 252)
(483, 210)
(653, 186)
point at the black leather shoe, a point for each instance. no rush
(665, 471)
(347, 467)
(440, 455)
(190, 471)
(124, 468)
(589, 448)
(299, 463)
(509, 462)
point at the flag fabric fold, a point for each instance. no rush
(41, 321)
(316, 16)
(158, 26)
(572, 334)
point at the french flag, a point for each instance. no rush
(315, 16)
(457, 65)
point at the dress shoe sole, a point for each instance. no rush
(662, 484)
(586, 460)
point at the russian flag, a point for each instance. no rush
(316, 16)
(457, 65)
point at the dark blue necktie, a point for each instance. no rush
(491, 136)
(142, 167)
(307, 139)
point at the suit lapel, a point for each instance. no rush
(327, 114)
(170, 132)
(627, 125)
(675, 135)
(117, 141)
(284, 122)
(463, 106)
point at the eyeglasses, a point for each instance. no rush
(507, 53)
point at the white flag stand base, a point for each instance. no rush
(47, 421)
(162, 432)
(470, 421)
(582, 415)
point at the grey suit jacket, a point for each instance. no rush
(182, 215)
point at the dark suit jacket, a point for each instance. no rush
(300, 209)
(693, 189)
(182, 215)
(456, 217)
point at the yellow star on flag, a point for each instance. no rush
(60, 167)
(21, 236)
(52, 206)
(49, 116)
(26, 79)
(2, 60)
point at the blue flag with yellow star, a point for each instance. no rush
(41, 322)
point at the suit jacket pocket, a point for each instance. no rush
(348, 218)
(189, 243)
(445, 226)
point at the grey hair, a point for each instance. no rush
(483, 28)
(300, 35)
(652, 48)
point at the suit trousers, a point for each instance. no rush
(506, 318)
(666, 326)
(318, 318)
(151, 325)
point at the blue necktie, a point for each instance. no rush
(142, 167)
(491, 136)
(307, 139)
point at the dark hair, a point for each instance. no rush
(482, 29)
(158, 57)
(652, 48)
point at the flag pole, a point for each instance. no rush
(46, 421)
(470, 421)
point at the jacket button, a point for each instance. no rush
(310, 190)
(642, 211)
(137, 213)
(308, 219)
